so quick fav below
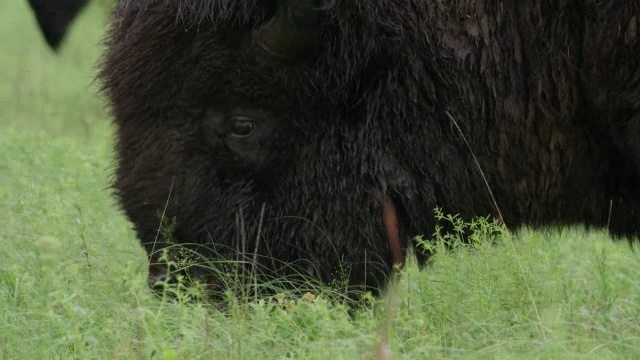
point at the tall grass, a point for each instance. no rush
(73, 282)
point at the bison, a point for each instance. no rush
(315, 137)
(54, 17)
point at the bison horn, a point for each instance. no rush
(293, 31)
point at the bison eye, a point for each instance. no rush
(241, 126)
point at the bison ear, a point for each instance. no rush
(55, 16)
(293, 31)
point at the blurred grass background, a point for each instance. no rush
(46, 92)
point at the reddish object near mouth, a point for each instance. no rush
(390, 218)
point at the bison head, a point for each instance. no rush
(239, 131)
(315, 137)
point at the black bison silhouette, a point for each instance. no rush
(316, 137)
(54, 17)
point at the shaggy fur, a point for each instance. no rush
(55, 16)
(547, 93)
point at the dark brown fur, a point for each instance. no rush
(547, 93)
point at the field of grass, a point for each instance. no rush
(72, 275)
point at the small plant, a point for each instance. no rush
(452, 232)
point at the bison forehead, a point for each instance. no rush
(192, 12)
(361, 45)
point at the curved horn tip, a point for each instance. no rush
(293, 31)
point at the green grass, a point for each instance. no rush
(72, 275)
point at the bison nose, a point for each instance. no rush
(390, 219)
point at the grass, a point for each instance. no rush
(72, 275)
